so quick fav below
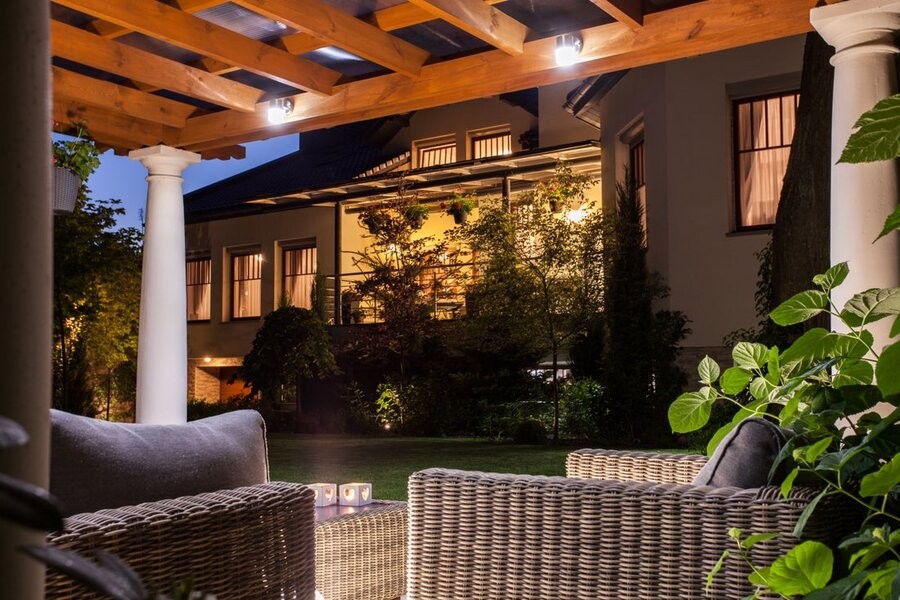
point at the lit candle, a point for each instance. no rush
(326, 493)
(356, 494)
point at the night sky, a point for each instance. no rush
(122, 178)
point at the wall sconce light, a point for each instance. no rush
(355, 494)
(279, 109)
(326, 493)
(568, 47)
(207, 359)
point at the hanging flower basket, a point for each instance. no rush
(460, 217)
(65, 190)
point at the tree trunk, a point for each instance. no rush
(800, 237)
(554, 392)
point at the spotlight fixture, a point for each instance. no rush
(279, 109)
(568, 46)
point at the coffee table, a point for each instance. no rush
(361, 551)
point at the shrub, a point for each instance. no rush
(530, 431)
(581, 409)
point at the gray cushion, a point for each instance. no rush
(96, 464)
(745, 456)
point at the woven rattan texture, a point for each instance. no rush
(362, 556)
(250, 542)
(622, 465)
(496, 536)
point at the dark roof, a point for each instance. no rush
(325, 157)
(584, 101)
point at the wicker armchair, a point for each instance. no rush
(249, 542)
(621, 525)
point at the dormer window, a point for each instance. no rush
(434, 151)
(488, 144)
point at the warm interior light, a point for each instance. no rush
(279, 109)
(576, 216)
(207, 359)
(568, 46)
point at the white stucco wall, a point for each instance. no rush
(686, 112)
(557, 126)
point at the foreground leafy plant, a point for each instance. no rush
(824, 388)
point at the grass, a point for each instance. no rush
(388, 462)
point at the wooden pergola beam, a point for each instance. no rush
(111, 128)
(110, 96)
(702, 27)
(340, 29)
(173, 26)
(480, 20)
(627, 12)
(94, 51)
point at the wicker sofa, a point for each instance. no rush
(182, 502)
(621, 525)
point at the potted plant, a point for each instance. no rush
(564, 190)
(416, 214)
(374, 219)
(460, 206)
(73, 162)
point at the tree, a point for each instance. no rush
(291, 345)
(548, 257)
(394, 268)
(639, 375)
(96, 284)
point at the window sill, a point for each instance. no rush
(750, 231)
(239, 319)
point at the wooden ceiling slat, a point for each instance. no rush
(111, 128)
(707, 26)
(108, 55)
(112, 31)
(344, 31)
(104, 94)
(173, 26)
(627, 12)
(480, 20)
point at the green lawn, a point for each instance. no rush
(387, 462)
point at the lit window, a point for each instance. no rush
(763, 131)
(438, 151)
(299, 266)
(246, 280)
(198, 289)
(493, 144)
(638, 176)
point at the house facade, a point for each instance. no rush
(704, 138)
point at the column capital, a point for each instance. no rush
(858, 23)
(164, 160)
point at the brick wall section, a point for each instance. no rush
(203, 382)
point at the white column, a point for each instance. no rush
(162, 338)
(862, 196)
(26, 262)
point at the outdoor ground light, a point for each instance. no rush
(279, 109)
(326, 493)
(568, 46)
(355, 494)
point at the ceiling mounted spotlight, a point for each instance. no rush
(279, 109)
(568, 46)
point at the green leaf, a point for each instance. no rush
(788, 484)
(887, 371)
(708, 369)
(789, 411)
(807, 512)
(842, 589)
(805, 568)
(734, 380)
(833, 277)
(876, 135)
(859, 398)
(885, 581)
(800, 307)
(716, 568)
(853, 372)
(750, 355)
(752, 540)
(892, 223)
(870, 306)
(817, 344)
(689, 412)
(815, 451)
(881, 481)
(759, 388)
(895, 328)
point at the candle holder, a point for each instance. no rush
(326, 493)
(355, 494)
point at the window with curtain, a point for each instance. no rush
(638, 176)
(198, 289)
(246, 285)
(299, 265)
(763, 132)
(492, 144)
